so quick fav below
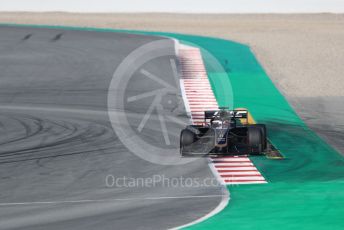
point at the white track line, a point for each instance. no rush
(105, 200)
(225, 169)
(219, 208)
(241, 173)
(185, 100)
(223, 159)
(242, 177)
(250, 182)
(228, 164)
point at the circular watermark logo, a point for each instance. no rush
(146, 106)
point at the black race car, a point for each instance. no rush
(224, 131)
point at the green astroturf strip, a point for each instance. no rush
(306, 189)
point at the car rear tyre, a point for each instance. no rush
(262, 128)
(187, 137)
(255, 139)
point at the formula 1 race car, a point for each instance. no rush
(223, 131)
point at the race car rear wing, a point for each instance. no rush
(210, 114)
(240, 115)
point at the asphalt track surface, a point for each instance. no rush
(58, 146)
